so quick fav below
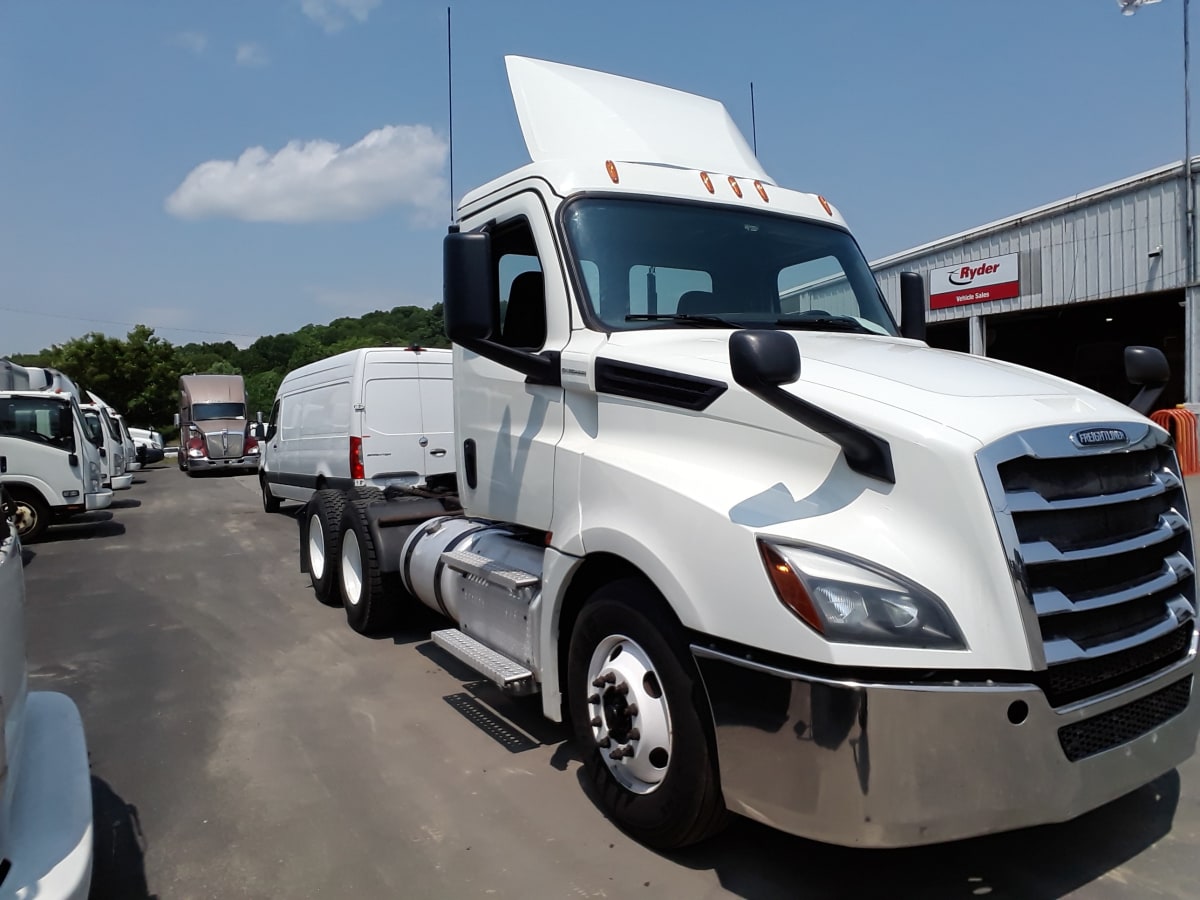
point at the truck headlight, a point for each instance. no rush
(849, 600)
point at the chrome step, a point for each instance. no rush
(490, 571)
(509, 675)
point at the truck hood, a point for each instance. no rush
(209, 426)
(886, 377)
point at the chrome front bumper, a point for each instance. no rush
(239, 463)
(889, 765)
(98, 499)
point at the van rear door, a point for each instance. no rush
(391, 423)
(437, 416)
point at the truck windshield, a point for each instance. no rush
(653, 264)
(91, 425)
(204, 411)
(44, 420)
(114, 430)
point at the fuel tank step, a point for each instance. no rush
(508, 675)
(489, 570)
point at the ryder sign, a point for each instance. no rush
(974, 282)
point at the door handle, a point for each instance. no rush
(438, 452)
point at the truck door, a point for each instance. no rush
(508, 429)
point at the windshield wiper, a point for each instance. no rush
(683, 319)
(825, 323)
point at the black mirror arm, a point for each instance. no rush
(866, 453)
(538, 368)
(1146, 398)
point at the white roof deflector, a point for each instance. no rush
(568, 113)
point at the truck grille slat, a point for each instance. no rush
(224, 444)
(1099, 547)
(1125, 723)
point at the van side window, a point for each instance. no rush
(273, 422)
(521, 313)
(290, 418)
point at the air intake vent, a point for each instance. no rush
(1125, 723)
(656, 385)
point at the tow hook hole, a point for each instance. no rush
(616, 652)
(658, 757)
(650, 685)
(1018, 712)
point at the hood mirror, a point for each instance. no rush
(1147, 367)
(912, 306)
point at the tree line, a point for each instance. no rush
(139, 374)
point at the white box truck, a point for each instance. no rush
(45, 782)
(767, 551)
(49, 458)
(374, 417)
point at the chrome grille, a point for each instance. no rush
(1100, 549)
(224, 444)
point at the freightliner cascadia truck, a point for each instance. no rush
(766, 550)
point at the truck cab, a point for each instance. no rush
(214, 433)
(766, 549)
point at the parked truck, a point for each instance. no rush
(49, 456)
(213, 430)
(766, 550)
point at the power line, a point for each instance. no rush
(50, 315)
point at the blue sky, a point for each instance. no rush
(917, 118)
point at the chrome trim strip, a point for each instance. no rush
(1175, 569)
(1170, 525)
(1031, 501)
(1063, 650)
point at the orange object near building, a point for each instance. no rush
(1181, 423)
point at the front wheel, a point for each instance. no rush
(641, 718)
(30, 514)
(270, 501)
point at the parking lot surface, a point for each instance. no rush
(245, 743)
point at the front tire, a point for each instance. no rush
(270, 501)
(31, 514)
(641, 719)
(324, 517)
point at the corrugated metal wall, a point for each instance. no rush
(1089, 248)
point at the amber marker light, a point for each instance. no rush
(789, 588)
(825, 205)
(707, 182)
(612, 171)
(762, 191)
(737, 188)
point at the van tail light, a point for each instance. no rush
(356, 459)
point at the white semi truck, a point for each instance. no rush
(768, 552)
(49, 458)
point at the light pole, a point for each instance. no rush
(1191, 289)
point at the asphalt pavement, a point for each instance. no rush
(246, 743)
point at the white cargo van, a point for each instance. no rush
(373, 417)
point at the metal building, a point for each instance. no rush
(1065, 287)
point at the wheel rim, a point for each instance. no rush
(25, 518)
(316, 548)
(629, 715)
(351, 568)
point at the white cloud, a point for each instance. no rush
(192, 41)
(251, 54)
(313, 181)
(332, 15)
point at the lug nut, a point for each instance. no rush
(605, 742)
(632, 709)
(609, 677)
(621, 752)
(634, 734)
(599, 682)
(622, 688)
(597, 721)
(594, 698)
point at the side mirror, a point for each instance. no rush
(763, 358)
(258, 417)
(469, 286)
(1147, 367)
(176, 420)
(912, 305)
